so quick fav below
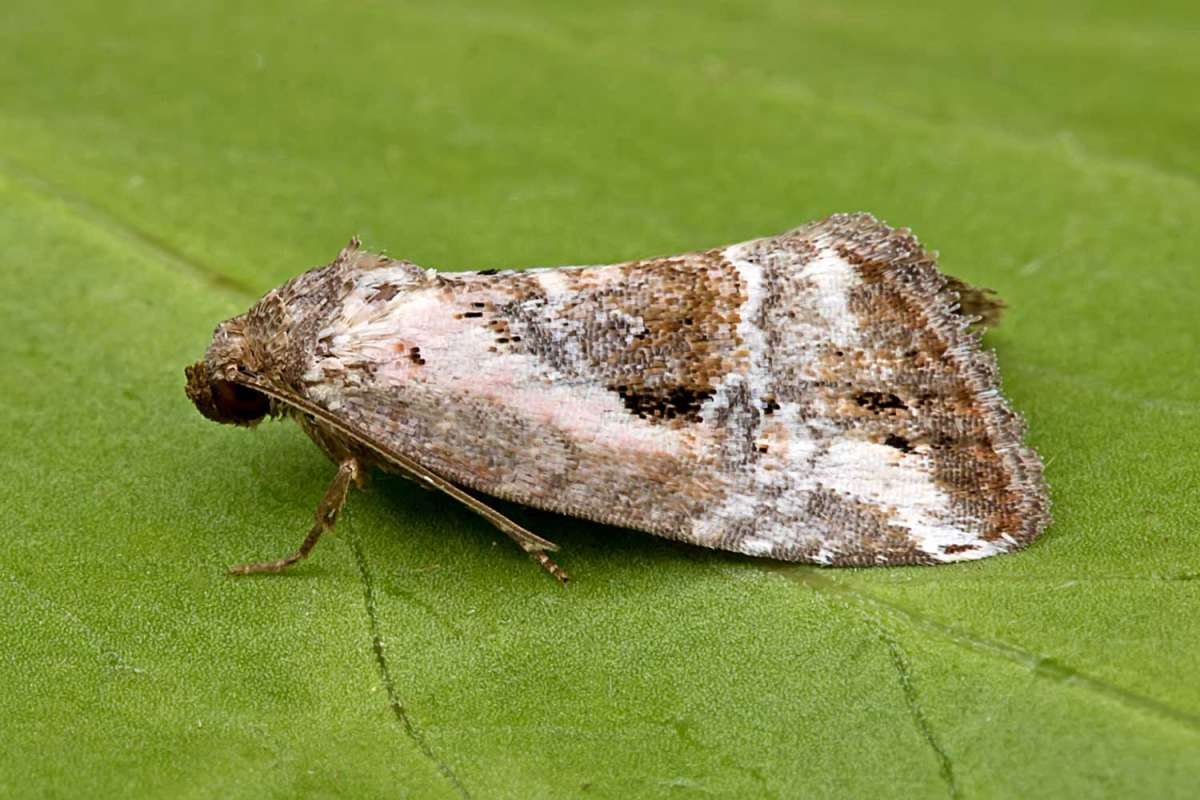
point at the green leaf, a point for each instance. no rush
(164, 163)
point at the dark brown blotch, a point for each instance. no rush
(878, 401)
(668, 402)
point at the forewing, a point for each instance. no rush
(812, 396)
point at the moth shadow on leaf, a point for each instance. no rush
(428, 527)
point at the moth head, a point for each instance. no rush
(217, 385)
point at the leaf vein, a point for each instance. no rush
(105, 220)
(1041, 666)
(385, 672)
(920, 721)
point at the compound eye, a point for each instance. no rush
(239, 404)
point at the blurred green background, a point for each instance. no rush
(164, 163)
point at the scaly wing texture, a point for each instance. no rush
(813, 396)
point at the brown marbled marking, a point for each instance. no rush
(868, 531)
(945, 413)
(900, 387)
(662, 337)
(975, 439)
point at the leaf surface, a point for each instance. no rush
(163, 164)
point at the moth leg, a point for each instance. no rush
(529, 541)
(549, 565)
(526, 539)
(327, 513)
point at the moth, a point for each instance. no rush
(817, 396)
